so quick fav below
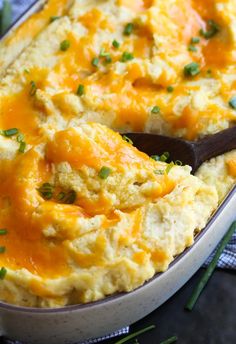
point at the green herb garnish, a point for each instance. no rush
(155, 109)
(170, 89)
(65, 45)
(192, 48)
(80, 90)
(210, 269)
(10, 132)
(3, 273)
(33, 88)
(2, 249)
(22, 147)
(164, 157)
(195, 40)
(95, 62)
(178, 163)
(103, 53)
(3, 231)
(5, 16)
(128, 29)
(20, 137)
(155, 157)
(169, 167)
(133, 335)
(104, 172)
(170, 340)
(127, 57)
(232, 102)
(46, 191)
(108, 59)
(192, 69)
(54, 18)
(116, 44)
(127, 139)
(159, 172)
(213, 29)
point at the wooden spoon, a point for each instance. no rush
(189, 152)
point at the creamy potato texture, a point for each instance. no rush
(73, 191)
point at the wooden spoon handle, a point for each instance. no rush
(214, 145)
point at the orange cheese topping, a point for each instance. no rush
(231, 165)
(131, 95)
(24, 242)
(38, 21)
(128, 89)
(26, 214)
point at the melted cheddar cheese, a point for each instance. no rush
(72, 191)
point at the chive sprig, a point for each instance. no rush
(210, 269)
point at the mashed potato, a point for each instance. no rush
(109, 215)
(73, 191)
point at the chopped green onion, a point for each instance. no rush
(3, 231)
(20, 137)
(195, 40)
(70, 197)
(65, 45)
(95, 62)
(192, 48)
(2, 249)
(103, 53)
(6, 16)
(46, 191)
(192, 69)
(80, 90)
(3, 273)
(133, 335)
(159, 172)
(26, 71)
(10, 132)
(165, 156)
(33, 88)
(116, 44)
(127, 139)
(232, 102)
(178, 163)
(210, 269)
(22, 147)
(127, 57)
(169, 167)
(128, 29)
(54, 18)
(209, 72)
(170, 340)
(104, 172)
(108, 59)
(155, 157)
(170, 89)
(213, 29)
(155, 109)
